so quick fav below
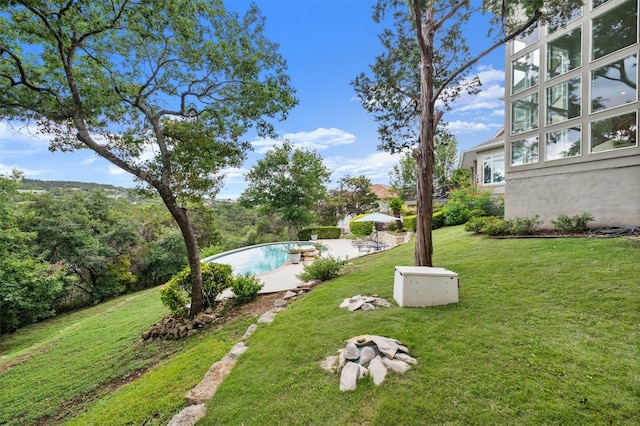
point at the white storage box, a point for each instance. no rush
(419, 286)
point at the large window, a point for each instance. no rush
(525, 39)
(564, 53)
(562, 144)
(525, 71)
(524, 151)
(493, 168)
(524, 114)
(597, 3)
(563, 101)
(614, 132)
(614, 84)
(614, 29)
(557, 21)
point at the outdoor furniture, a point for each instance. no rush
(376, 246)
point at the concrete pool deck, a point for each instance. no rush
(284, 278)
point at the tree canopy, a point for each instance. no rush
(287, 182)
(163, 90)
(425, 67)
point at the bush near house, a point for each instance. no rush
(410, 222)
(493, 226)
(573, 224)
(360, 229)
(323, 232)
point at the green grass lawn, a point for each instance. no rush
(546, 332)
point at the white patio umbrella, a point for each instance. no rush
(377, 217)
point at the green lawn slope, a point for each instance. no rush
(546, 332)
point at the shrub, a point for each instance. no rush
(323, 232)
(437, 220)
(324, 268)
(410, 222)
(477, 224)
(494, 226)
(245, 288)
(524, 225)
(360, 229)
(456, 213)
(216, 277)
(175, 298)
(574, 223)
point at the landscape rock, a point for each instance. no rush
(189, 416)
(377, 370)
(359, 301)
(330, 363)
(366, 355)
(387, 346)
(249, 331)
(406, 358)
(267, 318)
(396, 365)
(349, 376)
(280, 303)
(289, 294)
(351, 352)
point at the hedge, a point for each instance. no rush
(360, 229)
(323, 232)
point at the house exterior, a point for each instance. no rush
(384, 193)
(570, 140)
(486, 162)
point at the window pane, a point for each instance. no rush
(525, 39)
(615, 29)
(614, 84)
(524, 114)
(614, 132)
(493, 168)
(597, 3)
(556, 22)
(525, 71)
(563, 101)
(564, 53)
(563, 143)
(524, 151)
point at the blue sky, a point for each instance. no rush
(326, 44)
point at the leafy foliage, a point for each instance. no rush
(323, 269)
(576, 223)
(245, 288)
(360, 229)
(495, 226)
(323, 232)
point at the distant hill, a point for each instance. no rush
(48, 185)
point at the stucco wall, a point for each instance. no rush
(612, 196)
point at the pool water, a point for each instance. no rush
(257, 260)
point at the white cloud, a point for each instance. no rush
(115, 170)
(7, 169)
(375, 166)
(318, 139)
(459, 126)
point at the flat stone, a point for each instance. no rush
(396, 365)
(345, 303)
(249, 331)
(404, 349)
(330, 363)
(342, 361)
(377, 370)
(363, 372)
(237, 350)
(382, 303)
(351, 352)
(189, 416)
(349, 376)
(366, 355)
(355, 305)
(367, 307)
(280, 303)
(363, 339)
(267, 318)
(289, 294)
(406, 358)
(386, 346)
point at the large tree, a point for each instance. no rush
(289, 183)
(424, 69)
(165, 90)
(353, 196)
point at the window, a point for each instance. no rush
(563, 101)
(562, 144)
(615, 29)
(493, 168)
(525, 71)
(524, 151)
(557, 21)
(597, 3)
(614, 132)
(525, 39)
(524, 114)
(614, 84)
(564, 53)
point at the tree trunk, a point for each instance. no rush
(193, 252)
(424, 151)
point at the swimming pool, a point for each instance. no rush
(258, 259)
